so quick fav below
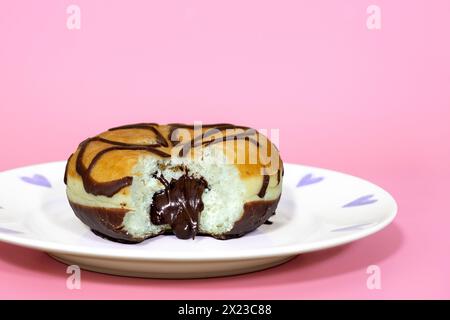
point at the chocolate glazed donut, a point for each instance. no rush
(178, 205)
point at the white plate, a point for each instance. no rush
(318, 209)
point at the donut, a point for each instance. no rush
(138, 181)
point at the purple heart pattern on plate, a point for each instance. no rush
(10, 231)
(309, 179)
(361, 201)
(38, 180)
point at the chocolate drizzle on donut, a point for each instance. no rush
(212, 129)
(215, 127)
(159, 147)
(179, 205)
(200, 140)
(110, 188)
(67, 167)
(265, 184)
(161, 141)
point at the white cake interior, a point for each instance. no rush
(223, 205)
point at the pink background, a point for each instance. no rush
(371, 103)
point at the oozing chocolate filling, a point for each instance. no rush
(179, 205)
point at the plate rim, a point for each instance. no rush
(248, 254)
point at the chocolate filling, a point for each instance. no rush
(179, 205)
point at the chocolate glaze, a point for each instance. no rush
(265, 184)
(161, 141)
(110, 188)
(142, 125)
(107, 222)
(179, 205)
(198, 141)
(255, 214)
(213, 129)
(216, 126)
(119, 240)
(104, 221)
(67, 167)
